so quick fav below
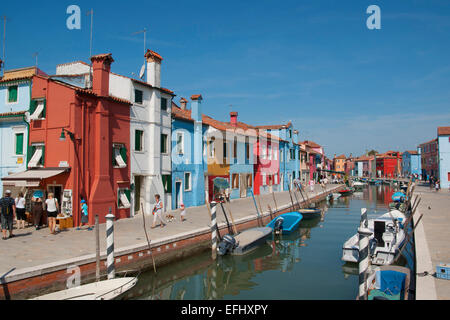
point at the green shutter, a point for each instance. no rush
(112, 158)
(19, 143)
(33, 105)
(128, 194)
(12, 94)
(138, 140)
(45, 107)
(167, 183)
(163, 143)
(123, 154)
(43, 156)
(30, 152)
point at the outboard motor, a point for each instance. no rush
(278, 225)
(227, 245)
(372, 246)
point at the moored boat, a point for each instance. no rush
(310, 213)
(243, 242)
(286, 222)
(101, 290)
(386, 240)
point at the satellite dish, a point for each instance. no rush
(141, 73)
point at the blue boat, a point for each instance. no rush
(286, 223)
(398, 197)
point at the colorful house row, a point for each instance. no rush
(88, 133)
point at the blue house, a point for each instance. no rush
(188, 159)
(15, 98)
(444, 156)
(411, 163)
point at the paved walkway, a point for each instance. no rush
(432, 242)
(32, 249)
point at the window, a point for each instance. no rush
(249, 181)
(163, 103)
(281, 155)
(264, 152)
(19, 143)
(290, 133)
(225, 147)
(263, 178)
(235, 181)
(187, 181)
(275, 154)
(235, 148)
(138, 140)
(119, 155)
(138, 96)
(212, 150)
(180, 143)
(247, 149)
(164, 143)
(37, 109)
(269, 152)
(276, 179)
(38, 155)
(123, 199)
(167, 183)
(12, 94)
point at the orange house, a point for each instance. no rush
(79, 144)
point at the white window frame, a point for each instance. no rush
(264, 179)
(37, 114)
(264, 151)
(7, 94)
(212, 148)
(269, 152)
(275, 154)
(180, 146)
(232, 181)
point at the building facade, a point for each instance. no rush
(411, 163)
(429, 159)
(444, 156)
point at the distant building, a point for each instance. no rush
(429, 159)
(411, 163)
(444, 156)
(339, 164)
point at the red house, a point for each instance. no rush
(267, 164)
(388, 164)
(79, 144)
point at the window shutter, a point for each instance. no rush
(30, 152)
(45, 108)
(138, 140)
(114, 163)
(19, 143)
(123, 154)
(127, 194)
(12, 94)
(43, 156)
(33, 105)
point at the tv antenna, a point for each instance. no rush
(4, 18)
(144, 31)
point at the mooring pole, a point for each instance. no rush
(213, 230)
(363, 257)
(110, 245)
(97, 250)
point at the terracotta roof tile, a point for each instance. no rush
(443, 131)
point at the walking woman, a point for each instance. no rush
(157, 212)
(20, 211)
(52, 212)
(37, 209)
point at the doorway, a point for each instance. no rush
(57, 192)
(178, 194)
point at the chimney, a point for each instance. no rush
(183, 103)
(1, 64)
(196, 107)
(233, 118)
(101, 65)
(153, 68)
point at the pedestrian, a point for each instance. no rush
(52, 212)
(84, 215)
(183, 212)
(37, 209)
(431, 182)
(436, 186)
(8, 208)
(311, 185)
(21, 217)
(157, 212)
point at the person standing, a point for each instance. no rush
(52, 212)
(84, 215)
(21, 217)
(37, 209)
(8, 208)
(311, 185)
(157, 212)
(436, 186)
(183, 212)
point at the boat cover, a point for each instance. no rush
(390, 282)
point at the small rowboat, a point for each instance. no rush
(101, 290)
(345, 192)
(287, 222)
(310, 213)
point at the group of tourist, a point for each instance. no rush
(435, 183)
(16, 208)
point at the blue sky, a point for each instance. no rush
(312, 62)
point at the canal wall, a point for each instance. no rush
(175, 241)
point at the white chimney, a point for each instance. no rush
(153, 68)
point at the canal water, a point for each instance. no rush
(303, 265)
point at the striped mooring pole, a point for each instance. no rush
(110, 245)
(213, 230)
(363, 258)
(364, 217)
(213, 283)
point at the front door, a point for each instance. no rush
(178, 194)
(57, 192)
(243, 178)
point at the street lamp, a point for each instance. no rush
(63, 137)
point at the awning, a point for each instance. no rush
(31, 178)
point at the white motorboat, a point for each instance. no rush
(386, 240)
(359, 184)
(102, 290)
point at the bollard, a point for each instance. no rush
(213, 230)
(364, 217)
(363, 258)
(110, 245)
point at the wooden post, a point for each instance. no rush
(260, 208)
(275, 201)
(231, 216)
(97, 250)
(148, 240)
(256, 207)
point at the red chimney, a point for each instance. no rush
(233, 118)
(101, 64)
(1, 64)
(183, 103)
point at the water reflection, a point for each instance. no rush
(303, 265)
